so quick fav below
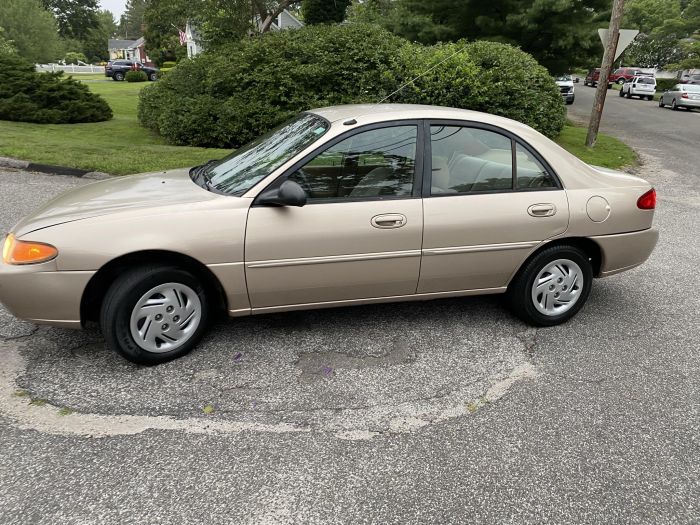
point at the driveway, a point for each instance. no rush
(439, 412)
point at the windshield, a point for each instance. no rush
(563, 78)
(248, 165)
(691, 88)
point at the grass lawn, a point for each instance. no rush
(608, 151)
(119, 146)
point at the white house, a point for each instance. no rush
(285, 20)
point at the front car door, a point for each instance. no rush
(490, 201)
(357, 239)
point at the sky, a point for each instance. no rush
(116, 6)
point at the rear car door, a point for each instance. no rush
(490, 201)
(359, 235)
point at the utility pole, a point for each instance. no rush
(605, 67)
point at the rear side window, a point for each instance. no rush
(475, 160)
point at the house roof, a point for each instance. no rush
(114, 43)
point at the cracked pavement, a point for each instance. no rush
(448, 411)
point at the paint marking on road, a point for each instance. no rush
(349, 424)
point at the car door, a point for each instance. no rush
(359, 235)
(490, 201)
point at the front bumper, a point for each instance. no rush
(40, 294)
(624, 251)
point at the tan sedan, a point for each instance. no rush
(339, 206)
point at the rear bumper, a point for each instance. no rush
(688, 103)
(624, 251)
(42, 295)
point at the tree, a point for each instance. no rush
(558, 33)
(95, 43)
(7, 47)
(75, 17)
(31, 28)
(324, 11)
(131, 23)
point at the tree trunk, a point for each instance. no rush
(269, 17)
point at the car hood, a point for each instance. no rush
(149, 190)
(567, 83)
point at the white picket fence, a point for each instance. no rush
(70, 68)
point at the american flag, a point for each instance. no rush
(183, 37)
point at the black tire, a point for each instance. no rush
(118, 76)
(621, 93)
(620, 81)
(519, 296)
(661, 102)
(650, 97)
(673, 105)
(153, 77)
(123, 296)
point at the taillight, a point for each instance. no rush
(647, 201)
(684, 95)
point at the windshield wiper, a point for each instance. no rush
(201, 174)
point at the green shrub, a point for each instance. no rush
(168, 65)
(485, 76)
(228, 96)
(662, 84)
(136, 76)
(162, 71)
(46, 98)
(74, 57)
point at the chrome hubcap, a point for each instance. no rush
(165, 317)
(557, 287)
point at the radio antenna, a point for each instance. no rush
(422, 74)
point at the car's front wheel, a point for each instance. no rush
(153, 314)
(153, 77)
(552, 286)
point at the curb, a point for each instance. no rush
(49, 169)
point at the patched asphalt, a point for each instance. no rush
(440, 412)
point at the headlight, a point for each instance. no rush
(15, 251)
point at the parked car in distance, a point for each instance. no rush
(681, 96)
(625, 74)
(690, 79)
(566, 88)
(593, 76)
(642, 87)
(117, 69)
(339, 206)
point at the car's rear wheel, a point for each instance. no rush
(153, 77)
(661, 102)
(552, 286)
(674, 107)
(153, 314)
(118, 76)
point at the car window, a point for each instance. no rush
(645, 80)
(378, 163)
(251, 163)
(530, 172)
(692, 88)
(466, 160)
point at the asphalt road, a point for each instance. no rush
(443, 412)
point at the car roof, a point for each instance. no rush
(369, 113)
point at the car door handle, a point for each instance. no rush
(389, 220)
(542, 210)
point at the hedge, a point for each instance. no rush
(662, 84)
(229, 96)
(46, 98)
(136, 76)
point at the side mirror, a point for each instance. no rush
(288, 194)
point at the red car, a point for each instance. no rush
(625, 74)
(593, 76)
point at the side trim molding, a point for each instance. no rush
(333, 259)
(453, 250)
